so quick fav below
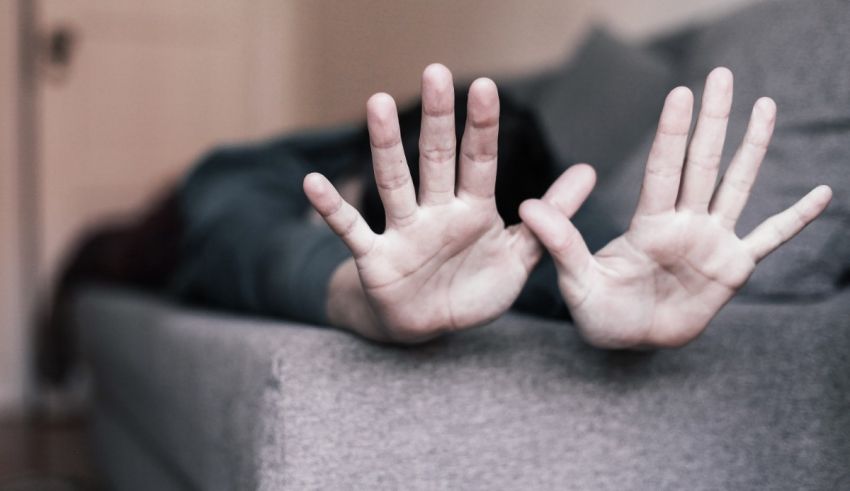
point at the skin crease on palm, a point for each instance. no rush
(447, 262)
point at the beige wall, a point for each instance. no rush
(11, 312)
(349, 50)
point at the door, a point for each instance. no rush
(137, 92)
(12, 308)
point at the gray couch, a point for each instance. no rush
(187, 399)
(200, 400)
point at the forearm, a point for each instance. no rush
(247, 243)
(347, 306)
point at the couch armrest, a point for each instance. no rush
(761, 400)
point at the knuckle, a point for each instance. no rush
(738, 184)
(484, 122)
(707, 161)
(393, 182)
(383, 135)
(713, 113)
(480, 156)
(335, 208)
(567, 243)
(672, 130)
(437, 153)
(348, 227)
(758, 141)
(385, 143)
(776, 235)
(663, 171)
(434, 112)
(800, 217)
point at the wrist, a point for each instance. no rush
(347, 305)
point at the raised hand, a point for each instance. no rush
(446, 261)
(660, 283)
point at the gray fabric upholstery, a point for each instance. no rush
(123, 463)
(190, 387)
(797, 52)
(760, 401)
(596, 107)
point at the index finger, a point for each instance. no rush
(392, 175)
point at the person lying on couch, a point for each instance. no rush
(397, 265)
(446, 260)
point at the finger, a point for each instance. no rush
(340, 216)
(700, 175)
(664, 166)
(571, 189)
(391, 173)
(477, 170)
(559, 236)
(437, 157)
(567, 194)
(781, 227)
(735, 187)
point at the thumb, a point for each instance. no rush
(559, 236)
(571, 189)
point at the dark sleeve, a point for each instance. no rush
(247, 243)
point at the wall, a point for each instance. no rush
(350, 50)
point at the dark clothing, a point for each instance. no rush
(235, 234)
(248, 246)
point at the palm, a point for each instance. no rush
(664, 279)
(469, 272)
(680, 261)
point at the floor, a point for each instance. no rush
(41, 455)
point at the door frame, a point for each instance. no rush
(18, 203)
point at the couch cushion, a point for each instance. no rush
(799, 54)
(597, 106)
